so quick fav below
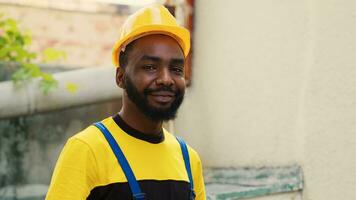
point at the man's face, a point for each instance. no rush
(154, 76)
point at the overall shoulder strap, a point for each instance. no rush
(185, 153)
(134, 186)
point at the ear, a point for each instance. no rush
(120, 76)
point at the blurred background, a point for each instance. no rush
(270, 106)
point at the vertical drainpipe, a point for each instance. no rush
(189, 23)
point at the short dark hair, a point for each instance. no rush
(123, 55)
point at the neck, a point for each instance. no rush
(139, 121)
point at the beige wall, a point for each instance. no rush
(274, 83)
(330, 103)
(249, 61)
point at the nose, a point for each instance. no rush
(164, 77)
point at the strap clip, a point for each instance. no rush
(139, 196)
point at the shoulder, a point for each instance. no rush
(194, 158)
(193, 154)
(91, 136)
(88, 136)
(79, 146)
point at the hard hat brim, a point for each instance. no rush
(180, 34)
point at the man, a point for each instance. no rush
(130, 155)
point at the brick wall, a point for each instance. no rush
(86, 37)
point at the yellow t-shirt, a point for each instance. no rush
(88, 169)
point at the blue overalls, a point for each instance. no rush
(131, 179)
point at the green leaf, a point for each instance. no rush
(21, 75)
(51, 54)
(32, 55)
(27, 38)
(72, 87)
(17, 53)
(3, 52)
(48, 85)
(11, 25)
(47, 77)
(2, 41)
(19, 40)
(14, 45)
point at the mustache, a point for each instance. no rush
(147, 91)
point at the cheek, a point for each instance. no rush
(143, 81)
(180, 82)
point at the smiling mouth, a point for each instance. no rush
(162, 97)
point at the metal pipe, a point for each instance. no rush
(94, 85)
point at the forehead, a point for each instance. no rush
(162, 46)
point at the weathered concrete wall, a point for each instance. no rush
(30, 146)
(274, 84)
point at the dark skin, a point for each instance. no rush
(154, 61)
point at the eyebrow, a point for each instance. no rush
(151, 58)
(176, 61)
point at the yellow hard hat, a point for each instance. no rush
(153, 19)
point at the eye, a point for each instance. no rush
(177, 69)
(149, 67)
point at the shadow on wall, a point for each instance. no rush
(30, 146)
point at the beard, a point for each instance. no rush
(154, 113)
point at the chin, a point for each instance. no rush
(161, 109)
(161, 106)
